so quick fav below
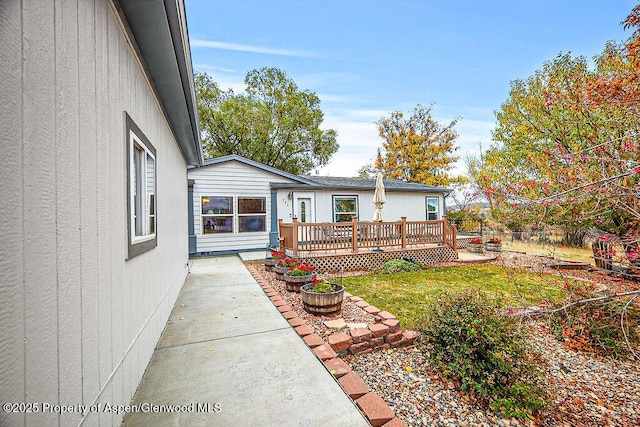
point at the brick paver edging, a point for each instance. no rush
(382, 335)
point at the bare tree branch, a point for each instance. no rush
(583, 302)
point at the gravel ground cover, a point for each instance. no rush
(351, 313)
(586, 390)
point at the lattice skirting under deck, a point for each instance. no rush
(461, 242)
(371, 260)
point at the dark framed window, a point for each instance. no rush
(344, 207)
(433, 204)
(217, 214)
(141, 191)
(220, 214)
(252, 214)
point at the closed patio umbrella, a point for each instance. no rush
(378, 199)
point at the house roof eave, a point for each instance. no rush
(299, 180)
(158, 30)
(285, 186)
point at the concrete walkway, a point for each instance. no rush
(227, 346)
(464, 256)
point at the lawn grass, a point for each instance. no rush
(407, 295)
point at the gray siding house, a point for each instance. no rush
(97, 125)
(233, 206)
(236, 203)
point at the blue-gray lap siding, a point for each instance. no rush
(233, 178)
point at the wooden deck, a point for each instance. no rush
(321, 239)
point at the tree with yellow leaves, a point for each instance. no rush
(417, 148)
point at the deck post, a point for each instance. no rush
(280, 238)
(294, 236)
(444, 229)
(403, 232)
(455, 238)
(354, 234)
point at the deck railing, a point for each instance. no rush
(352, 236)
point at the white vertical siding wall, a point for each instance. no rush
(78, 323)
(285, 205)
(398, 204)
(231, 178)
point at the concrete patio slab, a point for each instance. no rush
(469, 257)
(247, 367)
(209, 307)
(253, 256)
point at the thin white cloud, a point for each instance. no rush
(369, 115)
(213, 68)
(358, 142)
(338, 99)
(225, 78)
(330, 79)
(472, 133)
(248, 48)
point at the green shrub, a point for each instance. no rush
(400, 266)
(465, 336)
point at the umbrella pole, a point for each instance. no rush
(377, 249)
(378, 201)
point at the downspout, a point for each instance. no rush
(273, 230)
(192, 233)
(444, 203)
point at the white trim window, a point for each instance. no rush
(217, 214)
(252, 214)
(344, 207)
(433, 205)
(233, 214)
(142, 190)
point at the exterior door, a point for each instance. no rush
(305, 213)
(304, 210)
(304, 206)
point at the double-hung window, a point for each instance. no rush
(229, 214)
(432, 208)
(141, 180)
(252, 214)
(344, 207)
(217, 214)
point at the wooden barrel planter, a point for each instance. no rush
(294, 283)
(493, 247)
(269, 263)
(475, 248)
(322, 304)
(280, 270)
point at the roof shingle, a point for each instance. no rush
(370, 183)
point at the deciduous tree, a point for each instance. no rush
(619, 80)
(417, 148)
(566, 147)
(274, 122)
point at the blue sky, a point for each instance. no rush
(365, 59)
